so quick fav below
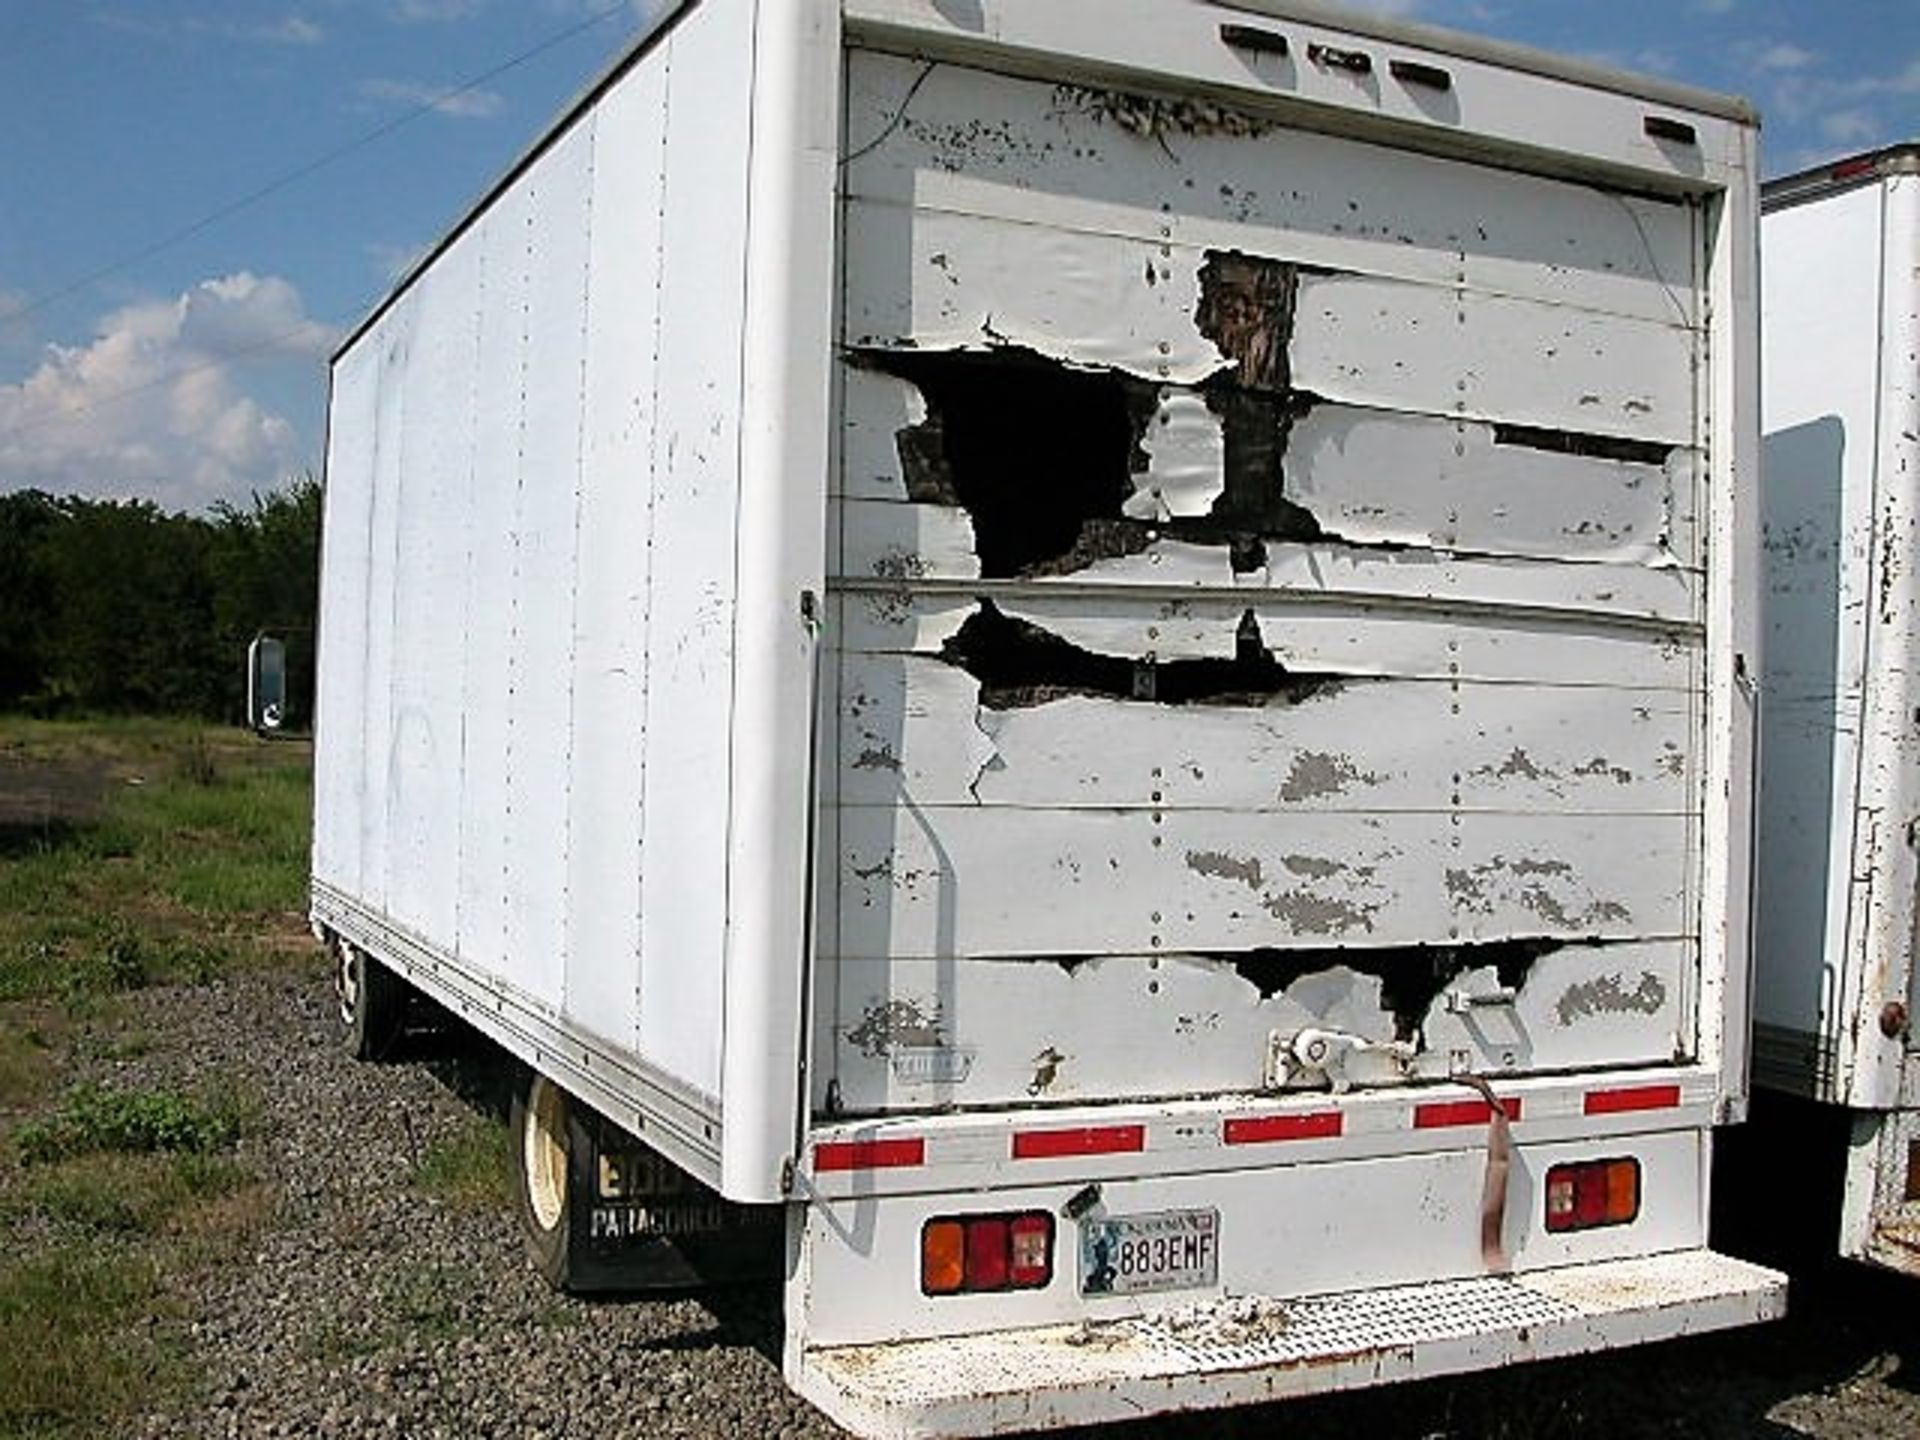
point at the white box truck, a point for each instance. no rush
(1105, 648)
(1840, 789)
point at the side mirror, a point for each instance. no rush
(266, 684)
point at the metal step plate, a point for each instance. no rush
(1249, 1349)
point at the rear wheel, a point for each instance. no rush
(372, 1002)
(546, 1132)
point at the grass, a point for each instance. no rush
(69, 1359)
(471, 1170)
(133, 854)
(197, 852)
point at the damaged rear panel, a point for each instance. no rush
(1280, 582)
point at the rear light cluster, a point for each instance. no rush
(976, 1254)
(1592, 1195)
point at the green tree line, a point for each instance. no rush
(117, 605)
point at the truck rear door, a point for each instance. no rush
(1268, 600)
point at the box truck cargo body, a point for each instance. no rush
(1841, 785)
(1106, 648)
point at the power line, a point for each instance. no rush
(301, 172)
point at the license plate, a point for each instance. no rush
(1131, 1254)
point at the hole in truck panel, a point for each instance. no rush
(1575, 442)
(1018, 665)
(1411, 977)
(1247, 306)
(1032, 449)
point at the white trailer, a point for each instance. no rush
(1103, 646)
(1840, 791)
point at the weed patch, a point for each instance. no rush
(128, 1122)
(470, 1170)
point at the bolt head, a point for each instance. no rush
(1893, 1020)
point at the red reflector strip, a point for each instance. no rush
(1095, 1140)
(1442, 1113)
(869, 1154)
(1263, 1129)
(1641, 1097)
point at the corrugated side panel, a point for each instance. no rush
(1270, 594)
(526, 682)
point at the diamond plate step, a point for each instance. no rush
(1239, 1351)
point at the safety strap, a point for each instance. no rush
(1493, 1192)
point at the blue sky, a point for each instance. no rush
(188, 368)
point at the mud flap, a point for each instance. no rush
(641, 1223)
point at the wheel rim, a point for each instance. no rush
(346, 983)
(545, 1153)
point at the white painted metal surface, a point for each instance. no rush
(1285, 1232)
(1841, 783)
(537, 676)
(1837, 902)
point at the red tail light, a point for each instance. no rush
(1593, 1194)
(980, 1254)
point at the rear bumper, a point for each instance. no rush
(1244, 1350)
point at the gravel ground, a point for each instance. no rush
(371, 1307)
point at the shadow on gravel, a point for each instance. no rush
(462, 1059)
(746, 1317)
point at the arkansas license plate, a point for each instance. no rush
(1129, 1254)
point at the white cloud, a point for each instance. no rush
(391, 262)
(417, 11)
(294, 30)
(1849, 127)
(1901, 82)
(288, 30)
(457, 104)
(156, 406)
(1784, 57)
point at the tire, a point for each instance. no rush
(547, 1139)
(372, 1002)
